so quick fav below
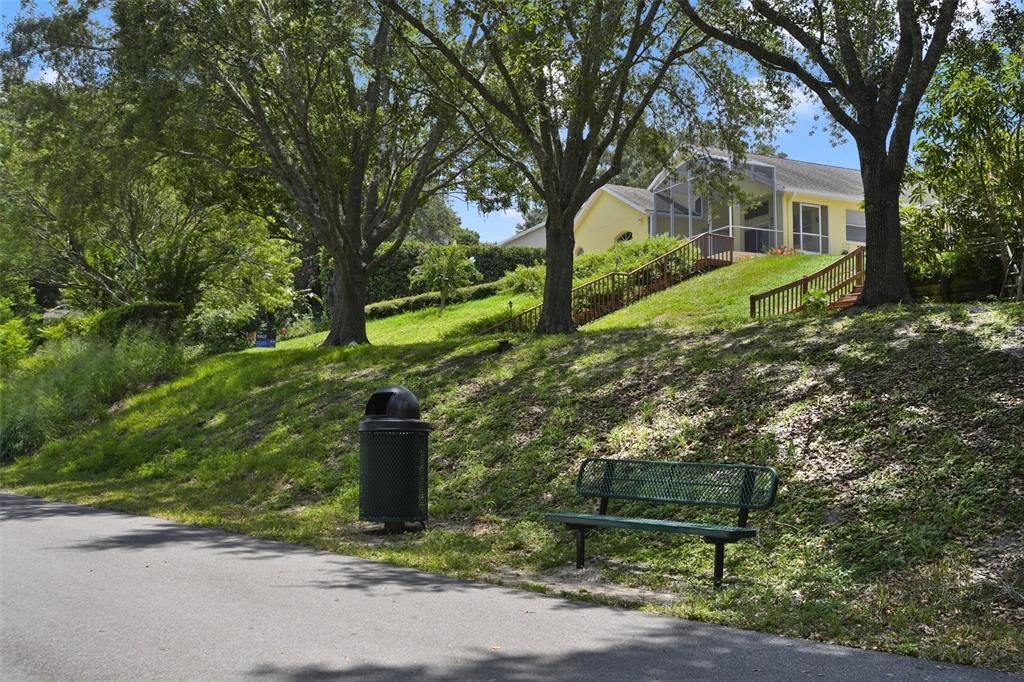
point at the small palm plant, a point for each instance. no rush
(444, 269)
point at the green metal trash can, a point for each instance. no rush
(393, 460)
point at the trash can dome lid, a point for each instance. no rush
(393, 402)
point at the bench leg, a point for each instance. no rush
(719, 563)
(581, 537)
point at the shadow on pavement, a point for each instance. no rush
(675, 650)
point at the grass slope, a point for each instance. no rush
(427, 325)
(718, 299)
(897, 434)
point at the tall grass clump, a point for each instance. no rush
(72, 380)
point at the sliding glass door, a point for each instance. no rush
(810, 228)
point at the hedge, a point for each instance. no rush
(391, 279)
(164, 316)
(429, 300)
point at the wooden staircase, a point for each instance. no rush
(1013, 283)
(847, 300)
(842, 283)
(617, 290)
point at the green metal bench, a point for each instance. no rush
(740, 486)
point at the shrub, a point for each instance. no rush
(444, 269)
(782, 250)
(69, 380)
(222, 330)
(525, 279)
(15, 343)
(163, 316)
(815, 302)
(74, 324)
(622, 257)
(391, 279)
(395, 306)
(299, 326)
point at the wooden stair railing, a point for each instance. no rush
(616, 290)
(839, 281)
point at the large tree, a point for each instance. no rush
(971, 145)
(557, 88)
(108, 220)
(326, 102)
(869, 62)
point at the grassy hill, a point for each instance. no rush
(897, 434)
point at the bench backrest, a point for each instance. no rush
(744, 486)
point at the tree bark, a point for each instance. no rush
(886, 279)
(348, 299)
(556, 316)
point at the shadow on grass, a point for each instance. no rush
(896, 434)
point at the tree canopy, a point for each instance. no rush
(970, 150)
(869, 64)
(556, 90)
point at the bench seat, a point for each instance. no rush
(702, 484)
(723, 533)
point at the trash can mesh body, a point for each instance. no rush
(392, 474)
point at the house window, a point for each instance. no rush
(810, 228)
(856, 227)
(624, 237)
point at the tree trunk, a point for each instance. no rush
(556, 316)
(886, 279)
(348, 299)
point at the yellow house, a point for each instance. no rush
(810, 207)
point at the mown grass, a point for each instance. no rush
(717, 300)
(427, 325)
(897, 434)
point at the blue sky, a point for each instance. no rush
(806, 140)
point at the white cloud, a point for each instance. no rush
(805, 104)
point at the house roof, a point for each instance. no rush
(521, 233)
(812, 178)
(638, 197)
(800, 176)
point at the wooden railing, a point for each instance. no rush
(619, 289)
(835, 280)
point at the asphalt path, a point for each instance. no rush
(88, 594)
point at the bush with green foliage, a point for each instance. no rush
(300, 326)
(815, 303)
(443, 269)
(391, 279)
(946, 260)
(162, 316)
(222, 330)
(15, 343)
(71, 380)
(69, 326)
(15, 336)
(622, 257)
(525, 279)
